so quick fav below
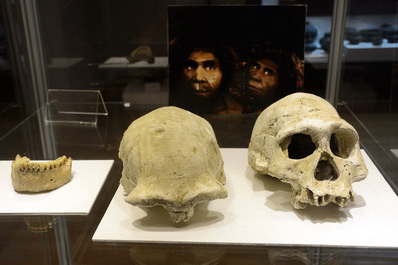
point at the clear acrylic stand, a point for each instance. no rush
(74, 106)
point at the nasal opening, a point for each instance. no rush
(325, 171)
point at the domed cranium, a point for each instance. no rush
(171, 158)
(301, 140)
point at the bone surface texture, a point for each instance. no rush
(29, 176)
(171, 158)
(301, 140)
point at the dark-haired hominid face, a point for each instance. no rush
(263, 78)
(203, 73)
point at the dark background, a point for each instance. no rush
(239, 26)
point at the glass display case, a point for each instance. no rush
(77, 47)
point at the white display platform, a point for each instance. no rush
(74, 198)
(258, 212)
(122, 62)
(395, 152)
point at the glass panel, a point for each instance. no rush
(88, 46)
(120, 48)
(317, 45)
(11, 107)
(368, 91)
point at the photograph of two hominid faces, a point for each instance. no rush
(234, 59)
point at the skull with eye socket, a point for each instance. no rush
(301, 140)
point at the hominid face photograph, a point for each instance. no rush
(234, 59)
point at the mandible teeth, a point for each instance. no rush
(26, 166)
(37, 167)
(30, 166)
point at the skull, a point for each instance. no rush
(301, 140)
(171, 158)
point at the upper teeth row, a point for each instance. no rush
(36, 167)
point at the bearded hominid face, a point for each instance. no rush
(203, 73)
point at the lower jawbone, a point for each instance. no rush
(29, 176)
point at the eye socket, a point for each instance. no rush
(209, 65)
(191, 65)
(255, 66)
(342, 143)
(298, 146)
(268, 72)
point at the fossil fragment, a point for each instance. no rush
(301, 140)
(35, 177)
(142, 52)
(171, 158)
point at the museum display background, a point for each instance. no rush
(84, 44)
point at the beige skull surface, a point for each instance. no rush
(171, 158)
(301, 140)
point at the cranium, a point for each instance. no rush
(301, 140)
(171, 158)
